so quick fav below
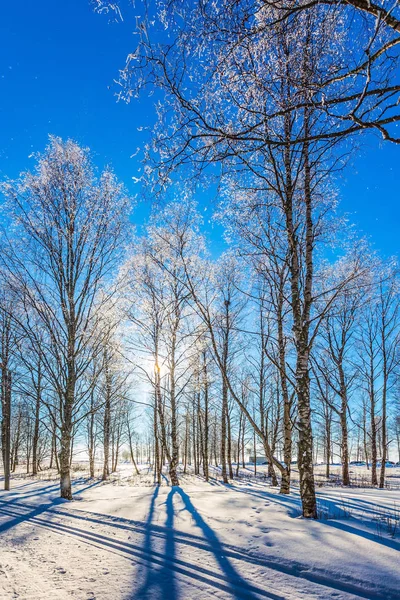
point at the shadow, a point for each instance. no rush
(87, 487)
(146, 588)
(357, 505)
(341, 519)
(228, 581)
(288, 501)
(167, 578)
(14, 494)
(335, 508)
(159, 582)
(27, 484)
(368, 535)
(233, 578)
(164, 565)
(138, 527)
(21, 517)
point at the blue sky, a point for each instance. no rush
(58, 61)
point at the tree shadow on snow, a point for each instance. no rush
(160, 579)
(156, 553)
(225, 578)
(153, 580)
(23, 516)
(233, 578)
(16, 495)
(336, 513)
(17, 502)
(291, 503)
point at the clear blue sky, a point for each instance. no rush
(58, 61)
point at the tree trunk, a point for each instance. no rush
(255, 452)
(174, 458)
(345, 446)
(17, 440)
(223, 433)
(194, 441)
(156, 452)
(35, 439)
(106, 424)
(365, 438)
(238, 443)
(301, 311)
(384, 432)
(6, 424)
(91, 448)
(243, 433)
(305, 445)
(206, 425)
(374, 453)
(185, 451)
(65, 457)
(287, 423)
(229, 443)
(327, 442)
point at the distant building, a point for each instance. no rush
(259, 460)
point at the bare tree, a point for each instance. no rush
(70, 226)
(253, 88)
(7, 337)
(334, 366)
(388, 315)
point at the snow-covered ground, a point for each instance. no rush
(360, 476)
(128, 539)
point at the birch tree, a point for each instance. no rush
(69, 224)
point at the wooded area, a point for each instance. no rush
(287, 343)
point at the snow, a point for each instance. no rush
(128, 539)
